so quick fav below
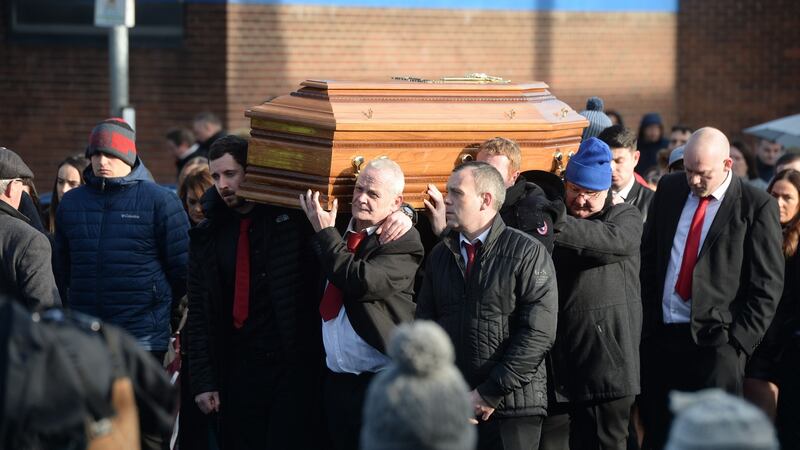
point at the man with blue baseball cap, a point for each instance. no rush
(595, 359)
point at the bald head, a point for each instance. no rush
(706, 160)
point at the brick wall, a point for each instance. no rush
(627, 58)
(739, 62)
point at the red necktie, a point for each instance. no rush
(684, 284)
(241, 292)
(333, 298)
(471, 249)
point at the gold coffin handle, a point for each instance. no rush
(357, 162)
(467, 157)
(559, 159)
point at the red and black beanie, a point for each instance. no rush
(113, 137)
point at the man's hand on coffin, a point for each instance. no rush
(394, 227)
(434, 208)
(318, 217)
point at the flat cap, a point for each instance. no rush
(12, 166)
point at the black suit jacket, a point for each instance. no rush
(738, 277)
(377, 280)
(640, 197)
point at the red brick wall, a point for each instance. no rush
(739, 62)
(627, 58)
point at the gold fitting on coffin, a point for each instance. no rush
(357, 162)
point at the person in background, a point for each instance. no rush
(598, 120)
(198, 163)
(122, 241)
(191, 190)
(181, 144)
(744, 164)
(615, 117)
(678, 136)
(68, 177)
(650, 141)
(676, 159)
(207, 128)
(788, 161)
(624, 184)
(773, 373)
(767, 154)
(421, 401)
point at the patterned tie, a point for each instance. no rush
(333, 298)
(471, 249)
(241, 292)
(684, 284)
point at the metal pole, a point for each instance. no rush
(118, 68)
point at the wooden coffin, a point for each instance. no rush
(319, 136)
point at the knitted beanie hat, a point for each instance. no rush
(598, 120)
(113, 137)
(590, 168)
(712, 419)
(420, 402)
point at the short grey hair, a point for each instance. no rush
(397, 180)
(487, 179)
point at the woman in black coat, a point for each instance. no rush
(773, 374)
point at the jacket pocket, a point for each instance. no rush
(610, 345)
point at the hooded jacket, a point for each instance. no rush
(122, 249)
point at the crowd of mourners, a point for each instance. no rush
(646, 298)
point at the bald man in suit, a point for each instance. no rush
(711, 275)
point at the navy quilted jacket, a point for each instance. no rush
(122, 249)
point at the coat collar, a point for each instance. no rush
(6, 209)
(453, 238)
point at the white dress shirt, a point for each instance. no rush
(674, 308)
(624, 192)
(345, 351)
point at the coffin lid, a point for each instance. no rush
(395, 105)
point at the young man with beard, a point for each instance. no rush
(254, 341)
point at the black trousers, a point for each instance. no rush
(511, 433)
(588, 425)
(672, 361)
(344, 404)
(789, 397)
(600, 424)
(268, 402)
